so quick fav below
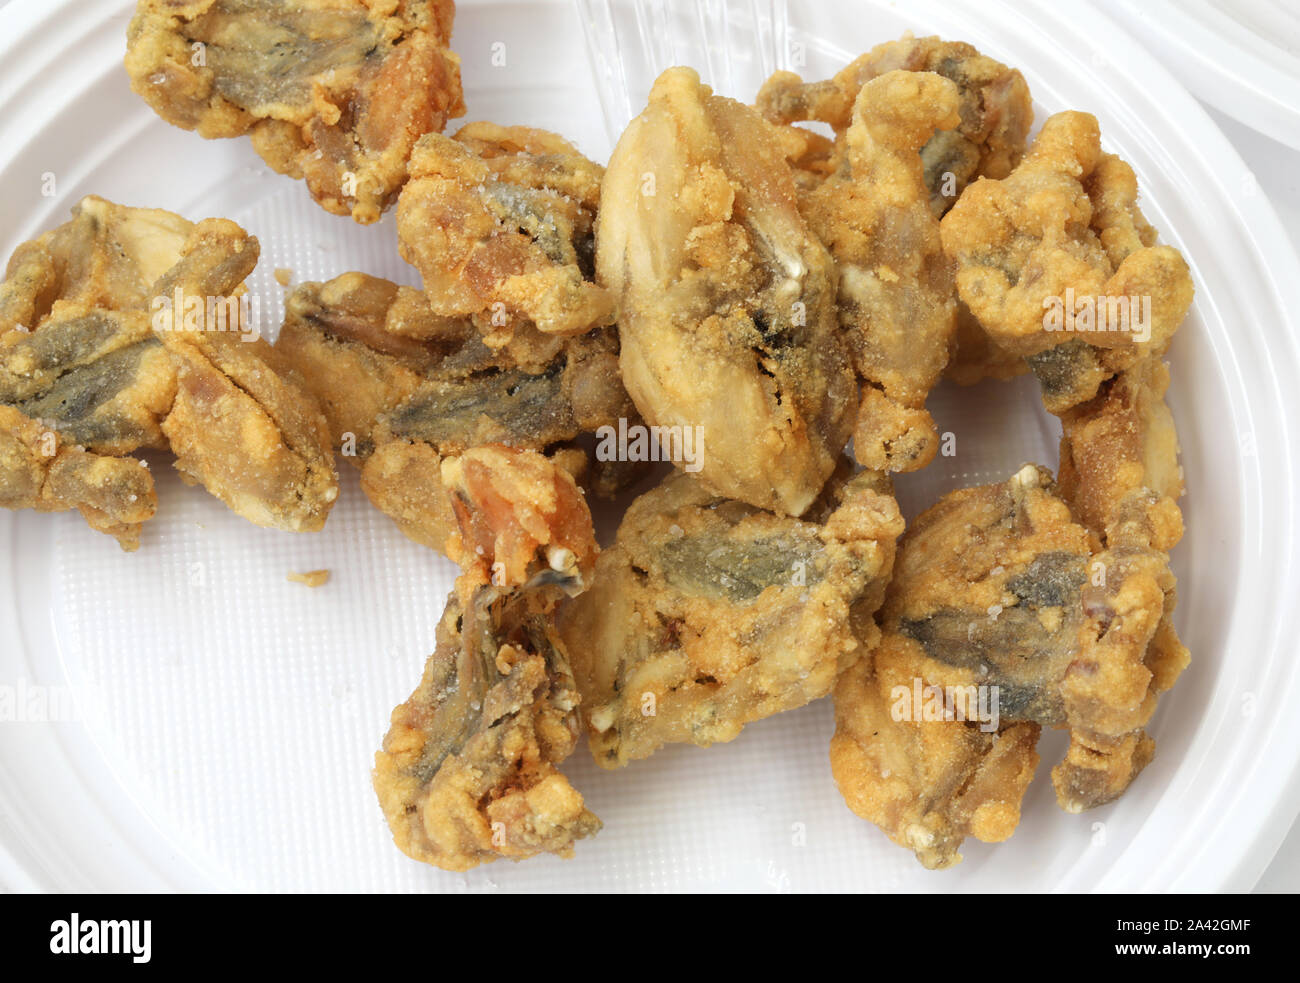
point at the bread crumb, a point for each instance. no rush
(283, 277)
(312, 578)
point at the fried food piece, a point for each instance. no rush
(1120, 474)
(404, 477)
(255, 440)
(1058, 264)
(727, 299)
(987, 584)
(83, 381)
(361, 345)
(120, 355)
(708, 614)
(107, 256)
(403, 389)
(1008, 616)
(994, 104)
(521, 519)
(249, 437)
(928, 783)
(99, 377)
(39, 470)
(370, 350)
(334, 92)
(897, 304)
(1119, 445)
(1129, 653)
(468, 771)
(984, 594)
(975, 356)
(499, 220)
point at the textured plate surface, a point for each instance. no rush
(214, 725)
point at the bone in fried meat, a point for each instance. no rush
(727, 312)
(994, 104)
(334, 92)
(468, 771)
(708, 614)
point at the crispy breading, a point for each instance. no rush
(334, 92)
(897, 302)
(403, 389)
(727, 299)
(994, 104)
(105, 341)
(1004, 615)
(500, 222)
(468, 771)
(708, 614)
(1058, 264)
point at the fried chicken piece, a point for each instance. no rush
(727, 299)
(334, 92)
(404, 388)
(120, 356)
(1119, 445)
(994, 104)
(39, 470)
(708, 614)
(499, 220)
(106, 256)
(1120, 474)
(468, 771)
(897, 304)
(928, 783)
(249, 437)
(336, 341)
(1006, 616)
(1058, 264)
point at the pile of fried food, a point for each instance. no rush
(731, 273)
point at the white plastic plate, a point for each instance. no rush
(1240, 56)
(216, 724)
